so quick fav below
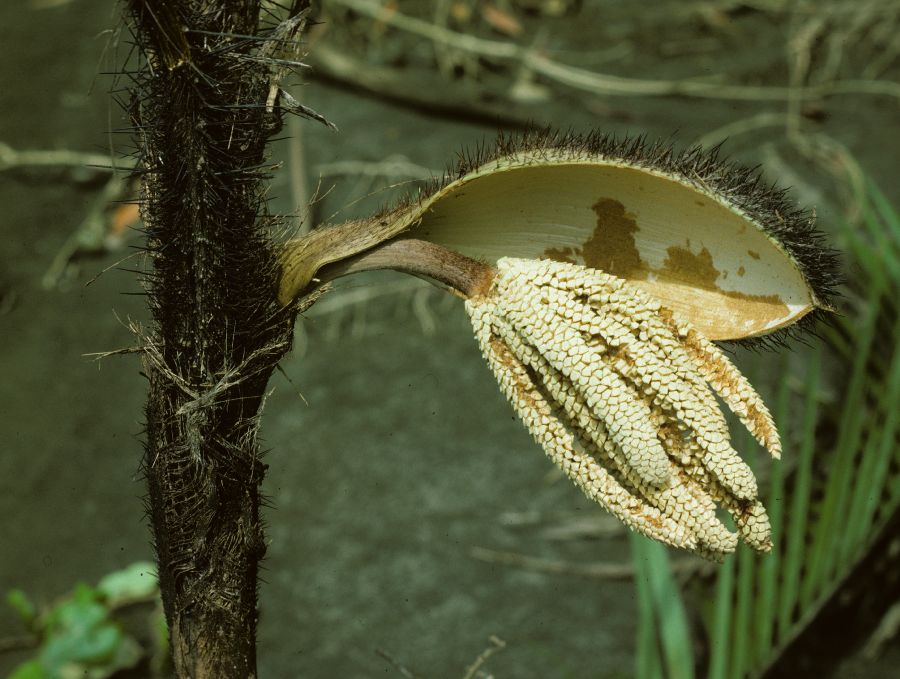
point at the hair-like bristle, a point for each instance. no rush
(741, 187)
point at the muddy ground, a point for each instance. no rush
(401, 457)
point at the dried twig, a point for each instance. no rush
(90, 234)
(11, 158)
(603, 84)
(405, 671)
(392, 167)
(564, 526)
(742, 126)
(887, 629)
(497, 644)
(472, 671)
(460, 100)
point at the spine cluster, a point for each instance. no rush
(619, 392)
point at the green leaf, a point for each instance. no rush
(794, 542)
(648, 664)
(743, 631)
(78, 630)
(842, 473)
(33, 669)
(656, 583)
(23, 606)
(136, 582)
(768, 572)
(719, 649)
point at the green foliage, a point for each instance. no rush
(23, 606)
(78, 635)
(664, 642)
(136, 582)
(828, 509)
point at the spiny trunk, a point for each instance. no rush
(204, 110)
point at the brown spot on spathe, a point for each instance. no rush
(567, 254)
(697, 270)
(684, 266)
(611, 248)
(687, 280)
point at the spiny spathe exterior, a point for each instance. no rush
(619, 392)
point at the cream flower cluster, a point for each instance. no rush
(619, 392)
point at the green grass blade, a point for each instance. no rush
(867, 258)
(801, 493)
(827, 528)
(668, 608)
(648, 664)
(743, 634)
(768, 570)
(720, 631)
(742, 629)
(884, 209)
(854, 533)
(884, 249)
(876, 458)
(887, 448)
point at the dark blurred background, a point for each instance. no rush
(411, 517)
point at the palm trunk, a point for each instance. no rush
(204, 110)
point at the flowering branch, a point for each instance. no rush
(596, 272)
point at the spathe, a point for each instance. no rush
(707, 238)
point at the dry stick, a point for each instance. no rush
(90, 232)
(19, 643)
(497, 644)
(297, 173)
(11, 158)
(392, 168)
(881, 61)
(886, 630)
(438, 34)
(400, 667)
(742, 126)
(88, 236)
(443, 56)
(822, 149)
(606, 84)
(799, 52)
(463, 100)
